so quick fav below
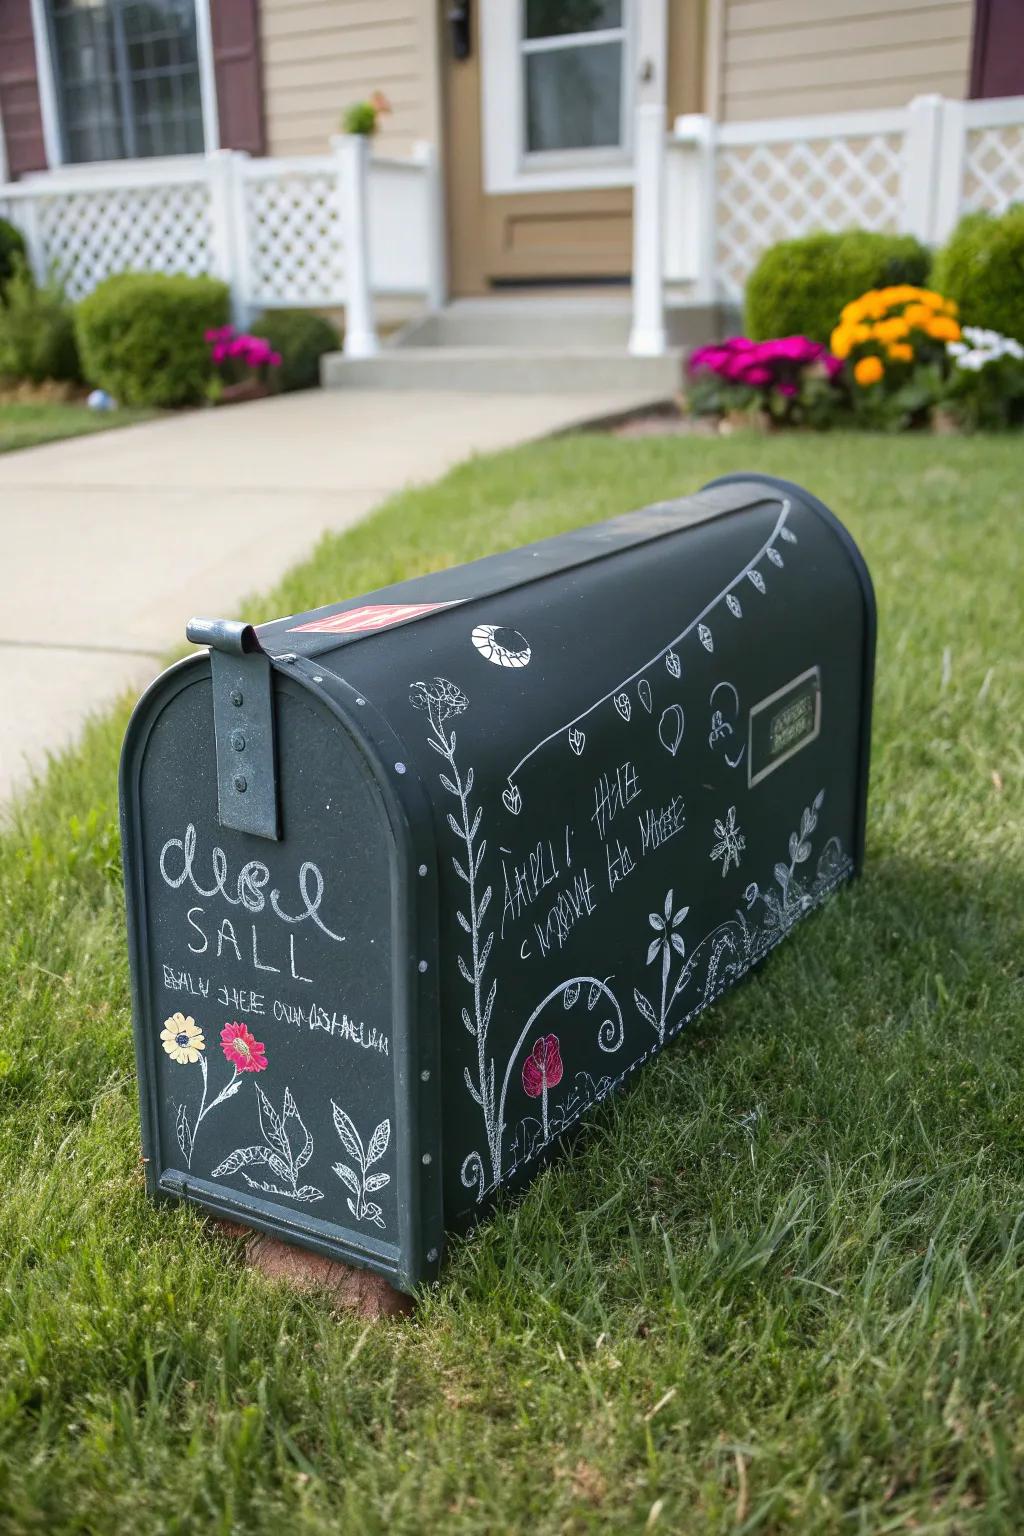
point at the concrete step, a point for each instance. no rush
(522, 322)
(508, 370)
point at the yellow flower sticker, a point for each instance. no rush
(182, 1039)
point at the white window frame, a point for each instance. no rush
(507, 167)
(50, 109)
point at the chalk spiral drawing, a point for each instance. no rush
(442, 700)
(276, 1152)
(667, 653)
(359, 1180)
(503, 646)
(730, 841)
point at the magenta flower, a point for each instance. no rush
(542, 1070)
(774, 366)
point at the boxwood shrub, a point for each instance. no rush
(141, 336)
(982, 267)
(12, 251)
(37, 332)
(302, 339)
(799, 286)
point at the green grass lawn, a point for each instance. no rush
(24, 426)
(705, 1320)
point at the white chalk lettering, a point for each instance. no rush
(612, 794)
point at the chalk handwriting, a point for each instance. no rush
(612, 793)
(659, 826)
(575, 901)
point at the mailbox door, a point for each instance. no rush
(275, 982)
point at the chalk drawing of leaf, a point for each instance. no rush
(351, 1207)
(652, 950)
(645, 1008)
(184, 1131)
(463, 921)
(348, 1177)
(469, 783)
(643, 689)
(756, 579)
(242, 1157)
(271, 1123)
(377, 1181)
(485, 901)
(593, 996)
(309, 1192)
(459, 870)
(623, 705)
(373, 1213)
(455, 826)
(465, 971)
(449, 786)
(782, 876)
(819, 800)
(673, 663)
(379, 1142)
(513, 800)
(577, 740)
(789, 536)
(279, 1166)
(350, 1138)
(571, 995)
(468, 1021)
(775, 558)
(489, 1004)
(307, 1144)
(670, 728)
(474, 1095)
(705, 637)
(733, 604)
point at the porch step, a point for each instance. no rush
(508, 370)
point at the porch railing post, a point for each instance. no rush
(919, 183)
(224, 246)
(952, 151)
(437, 281)
(647, 337)
(353, 155)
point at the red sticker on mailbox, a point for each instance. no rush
(369, 617)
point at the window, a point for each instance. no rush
(127, 80)
(574, 62)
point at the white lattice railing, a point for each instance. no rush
(321, 231)
(712, 196)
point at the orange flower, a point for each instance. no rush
(917, 314)
(841, 341)
(901, 352)
(868, 371)
(943, 328)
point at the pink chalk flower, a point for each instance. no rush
(242, 1049)
(542, 1069)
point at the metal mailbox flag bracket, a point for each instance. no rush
(243, 722)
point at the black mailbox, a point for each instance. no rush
(414, 881)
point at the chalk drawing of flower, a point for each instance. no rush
(665, 940)
(182, 1039)
(442, 699)
(542, 1070)
(242, 1049)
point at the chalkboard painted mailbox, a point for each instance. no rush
(416, 880)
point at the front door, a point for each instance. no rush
(539, 117)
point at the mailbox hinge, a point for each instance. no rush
(243, 725)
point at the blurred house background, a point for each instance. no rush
(532, 147)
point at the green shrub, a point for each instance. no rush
(142, 336)
(302, 339)
(37, 331)
(982, 267)
(12, 250)
(799, 286)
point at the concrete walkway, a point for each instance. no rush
(109, 543)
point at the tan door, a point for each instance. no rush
(566, 71)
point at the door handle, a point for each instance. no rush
(460, 29)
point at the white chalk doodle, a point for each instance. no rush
(775, 558)
(705, 637)
(359, 1180)
(643, 689)
(730, 841)
(577, 740)
(503, 646)
(674, 665)
(733, 604)
(671, 727)
(623, 705)
(666, 651)
(789, 536)
(276, 1152)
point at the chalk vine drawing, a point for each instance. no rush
(185, 1043)
(442, 700)
(732, 947)
(276, 1151)
(359, 1180)
(667, 653)
(730, 841)
(503, 646)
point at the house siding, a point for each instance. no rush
(319, 56)
(785, 58)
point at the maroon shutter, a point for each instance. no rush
(236, 61)
(19, 90)
(997, 54)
